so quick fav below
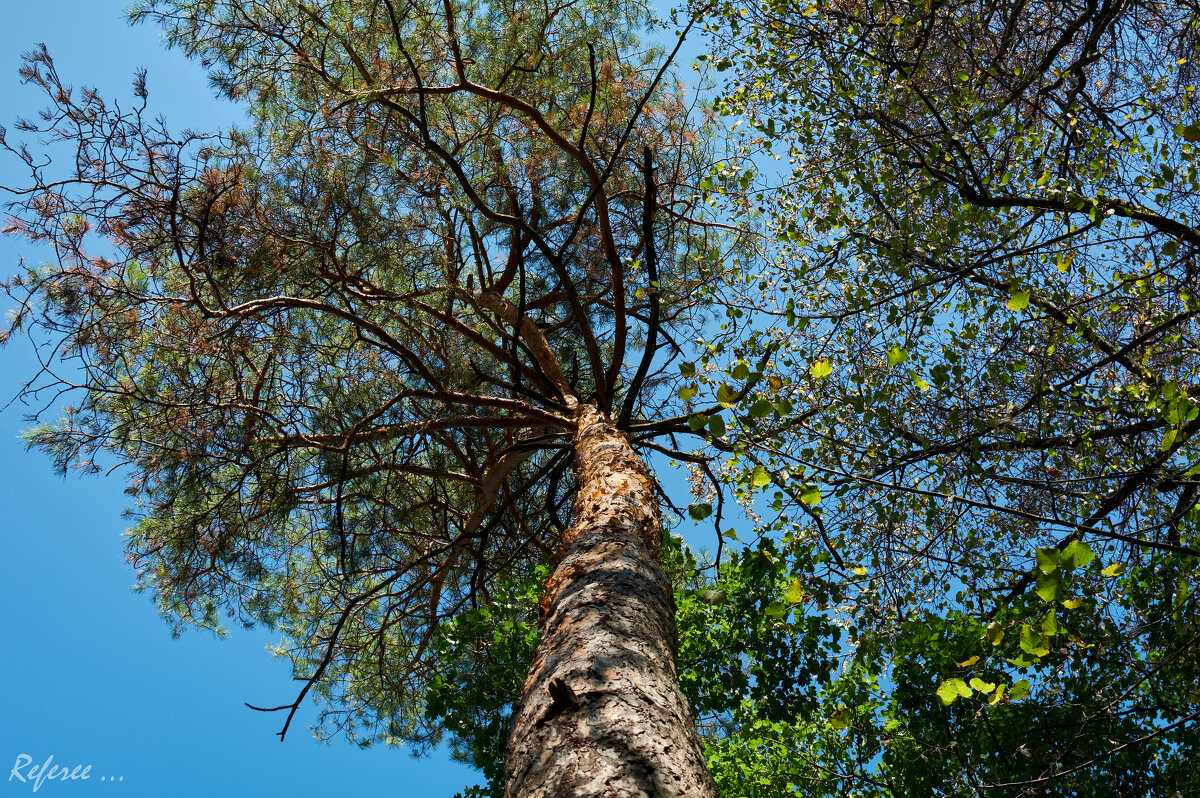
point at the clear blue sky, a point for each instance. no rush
(90, 673)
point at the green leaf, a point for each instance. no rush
(761, 408)
(1047, 559)
(1188, 132)
(896, 355)
(1049, 588)
(1033, 641)
(810, 495)
(741, 371)
(982, 686)
(821, 368)
(995, 633)
(697, 422)
(1019, 691)
(1076, 555)
(716, 425)
(969, 661)
(726, 396)
(839, 720)
(687, 370)
(795, 592)
(1019, 300)
(999, 695)
(775, 609)
(760, 478)
(1168, 440)
(687, 392)
(1050, 624)
(951, 690)
(699, 512)
(1116, 569)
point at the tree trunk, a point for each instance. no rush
(601, 713)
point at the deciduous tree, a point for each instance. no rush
(985, 274)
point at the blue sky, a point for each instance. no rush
(90, 673)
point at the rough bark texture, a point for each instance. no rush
(602, 713)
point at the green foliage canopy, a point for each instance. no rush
(334, 349)
(980, 289)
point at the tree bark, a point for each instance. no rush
(601, 713)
